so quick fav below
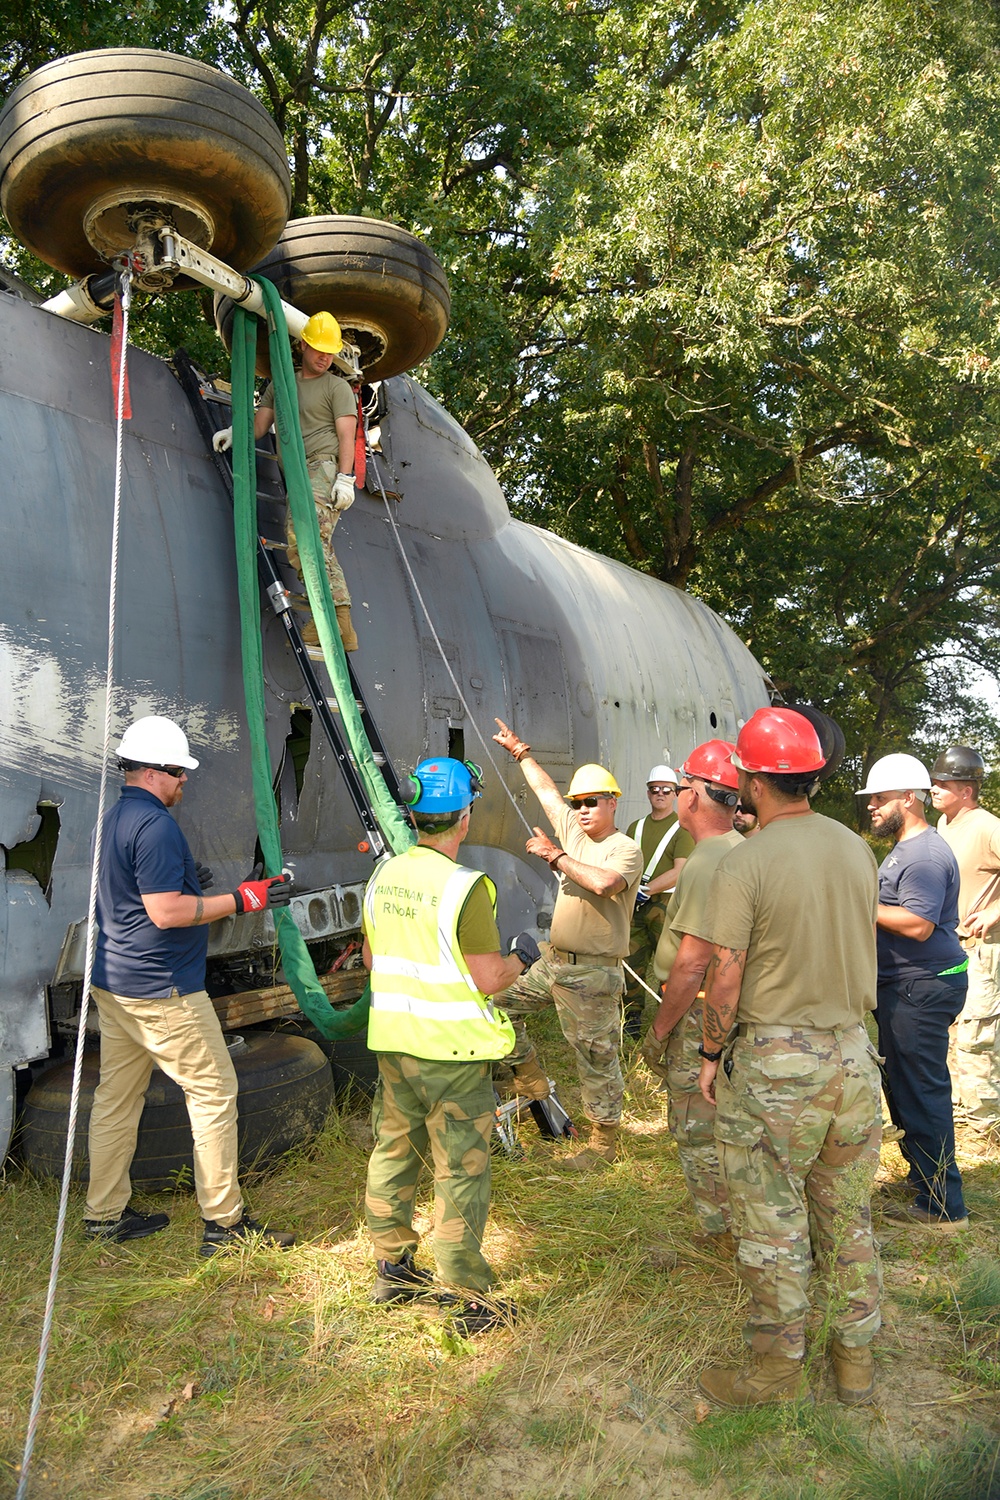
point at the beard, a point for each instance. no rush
(891, 824)
(746, 796)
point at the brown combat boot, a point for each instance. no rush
(764, 1381)
(347, 634)
(854, 1372)
(529, 1078)
(601, 1149)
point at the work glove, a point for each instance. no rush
(641, 896)
(342, 493)
(526, 948)
(653, 1051)
(223, 440)
(255, 894)
(510, 742)
(205, 877)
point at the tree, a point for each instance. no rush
(769, 375)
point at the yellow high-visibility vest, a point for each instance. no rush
(424, 1000)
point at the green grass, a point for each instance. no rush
(270, 1375)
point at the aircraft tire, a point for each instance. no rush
(82, 129)
(286, 1092)
(387, 290)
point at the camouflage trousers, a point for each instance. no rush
(975, 1060)
(322, 473)
(692, 1124)
(587, 998)
(647, 924)
(439, 1116)
(798, 1127)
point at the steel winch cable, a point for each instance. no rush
(50, 1300)
(373, 464)
(374, 469)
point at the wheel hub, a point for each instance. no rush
(369, 338)
(121, 221)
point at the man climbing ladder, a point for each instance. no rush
(328, 415)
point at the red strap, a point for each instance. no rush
(360, 460)
(117, 328)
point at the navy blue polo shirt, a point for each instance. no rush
(920, 873)
(144, 853)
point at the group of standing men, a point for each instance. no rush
(767, 956)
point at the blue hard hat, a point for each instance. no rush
(443, 785)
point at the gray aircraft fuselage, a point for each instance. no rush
(587, 659)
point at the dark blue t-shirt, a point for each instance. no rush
(144, 853)
(921, 874)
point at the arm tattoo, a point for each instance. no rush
(725, 980)
(199, 911)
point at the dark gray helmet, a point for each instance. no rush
(959, 763)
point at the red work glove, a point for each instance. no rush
(255, 894)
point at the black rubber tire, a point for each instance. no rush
(357, 269)
(286, 1093)
(355, 1066)
(131, 117)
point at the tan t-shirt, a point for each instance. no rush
(583, 922)
(686, 907)
(321, 401)
(974, 839)
(649, 838)
(800, 898)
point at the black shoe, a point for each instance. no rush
(130, 1225)
(400, 1280)
(243, 1232)
(480, 1317)
(632, 1026)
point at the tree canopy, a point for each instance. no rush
(725, 290)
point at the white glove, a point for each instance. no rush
(223, 440)
(342, 493)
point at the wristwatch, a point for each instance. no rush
(709, 1056)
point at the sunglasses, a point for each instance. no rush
(663, 790)
(175, 771)
(584, 801)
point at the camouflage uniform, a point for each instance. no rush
(587, 998)
(437, 1115)
(692, 1123)
(798, 1127)
(322, 473)
(647, 924)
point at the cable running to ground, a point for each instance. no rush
(50, 1300)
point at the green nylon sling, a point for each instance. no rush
(295, 956)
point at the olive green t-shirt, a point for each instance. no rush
(680, 846)
(321, 401)
(800, 898)
(688, 900)
(581, 921)
(974, 839)
(477, 926)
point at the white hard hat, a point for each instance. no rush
(896, 773)
(155, 741)
(661, 773)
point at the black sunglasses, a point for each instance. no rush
(175, 771)
(584, 801)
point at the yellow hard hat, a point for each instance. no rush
(589, 780)
(322, 332)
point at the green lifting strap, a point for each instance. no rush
(295, 956)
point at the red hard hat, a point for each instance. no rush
(780, 742)
(713, 761)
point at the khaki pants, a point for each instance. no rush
(975, 1060)
(183, 1036)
